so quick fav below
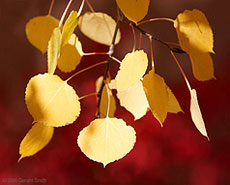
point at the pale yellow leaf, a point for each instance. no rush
(35, 140)
(132, 68)
(71, 54)
(134, 100)
(69, 27)
(39, 30)
(173, 104)
(51, 101)
(134, 10)
(99, 27)
(106, 140)
(194, 32)
(157, 95)
(53, 50)
(202, 66)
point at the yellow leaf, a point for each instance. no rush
(132, 68)
(106, 140)
(194, 32)
(99, 27)
(134, 10)
(35, 140)
(39, 30)
(202, 66)
(157, 95)
(69, 27)
(71, 54)
(104, 100)
(51, 101)
(196, 114)
(134, 100)
(53, 50)
(173, 104)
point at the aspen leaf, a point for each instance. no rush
(173, 104)
(71, 54)
(39, 30)
(69, 27)
(53, 50)
(51, 101)
(104, 100)
(202, 66)
(134, 10)
(196, 113)
(106, 140)
(99, 27)
(134, 100)
(157, 95)
(35, 140)
(132, 68)
(194, 32)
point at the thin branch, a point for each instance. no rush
(156, 19)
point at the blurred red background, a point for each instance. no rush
(176, 154)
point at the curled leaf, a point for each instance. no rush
(106, 140)
(51, 101)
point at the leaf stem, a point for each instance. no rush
(140, 40)
(152, 56)
(51, 7)
(156, 19)
(134, 37)
(87, 95)
(64, 13)
(108, 95)
(90, 6)
(115, 59)
(81, 7)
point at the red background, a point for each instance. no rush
(176, 154)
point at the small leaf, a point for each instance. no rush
(69, 27)
(196, 114)
(99, 27)
(35, 140)
(71, 55)
(53, 50)
(173, 104)
(51, 101)
(132, 68)
(157, 95)
(106, 140)
(134, 10)
(194, 32)
(39, 30)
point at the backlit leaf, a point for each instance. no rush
(39, 30)
(71, 54)
(51, 101)
(157, 95)
(132, 68)
(99, 27)
(35, 140)
(134, 10)
(196, 113)
(53, 50)
(173, 104)
(106, 140)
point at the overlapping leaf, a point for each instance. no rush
(51, 101)
(99, 27)
(35, 140)
(106, 140)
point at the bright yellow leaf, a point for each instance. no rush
(134, 10)
(157, 95)
(194, 32)
(35, 140)
(71, 54)
(173, 104)
(202, 66)
(39, 30)
(196, 113)
(106, 140)
(99, 27)
(69, 27)
(53, 50)
(51, 101)
(132, 68)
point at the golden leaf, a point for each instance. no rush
(134, 10)
(35, 140)
(39, 30)
(51, 101)
(173, 104)
(132, 68)
(99, 27)
(106, 140)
